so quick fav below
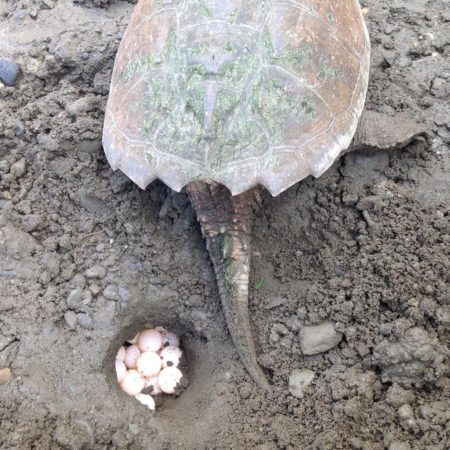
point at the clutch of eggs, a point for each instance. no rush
(150, 363)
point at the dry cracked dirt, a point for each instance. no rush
(87, 259)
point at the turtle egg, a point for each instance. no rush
(149, 340)
(121, 370)
(169, 337)
(121, 354)
(168, 379)
(133, 383)
(152, 383)
(170, 356)
(131, 356)
(146, 400)
(149, 364)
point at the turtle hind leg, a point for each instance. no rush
(226, 224)
(383, 132)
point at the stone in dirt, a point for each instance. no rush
(316, 339)
(96, 272)
(299, 380)
(5, 375)
(19, 168)
(9, 71)
(414, 359)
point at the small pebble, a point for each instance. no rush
(96, 271)
(84, 320)
(19, 168)
(316, 339)
(9, 71)
(299, 380)
(405, 412)
(47, 4)
(33, 12)
(71, 319)
(111, 292)
(75, 299)
(5, 375)
(32, 222)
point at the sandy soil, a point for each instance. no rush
(87, 259)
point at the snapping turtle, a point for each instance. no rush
(224, 97)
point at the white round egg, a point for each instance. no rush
(152, 384)
(149, 340)
(146, 400)
(121, 354)
(132, 354)
(170, 356)
(121, 370)
(169, 337)
(168, 379)
(133, 383)
(149, 364)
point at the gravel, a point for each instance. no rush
(316, 339)
(9, 71)
(299, 380)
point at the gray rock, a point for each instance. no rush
(405, 412)
(89, 146)
(124, 294)
(79, 281)
(412, 359)
(397, 396)
(16, 243)
(9, 71)
(32, 222)
(84, 320)
(19, 168)
(47, 4)
(5, 375)
(275, 302)
(82, 105)
(92, 203)
(71, 319)
(316, 339)
(111, 292)
(299, 380)
(75, 299)
(440, 88)
(4, 166)
(96, 271)
(48, 142)
(280, 333)
(33, 12)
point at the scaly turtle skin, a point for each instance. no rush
(225, 96)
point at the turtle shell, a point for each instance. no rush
(242, 92)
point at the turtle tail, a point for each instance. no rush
(226, 225)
